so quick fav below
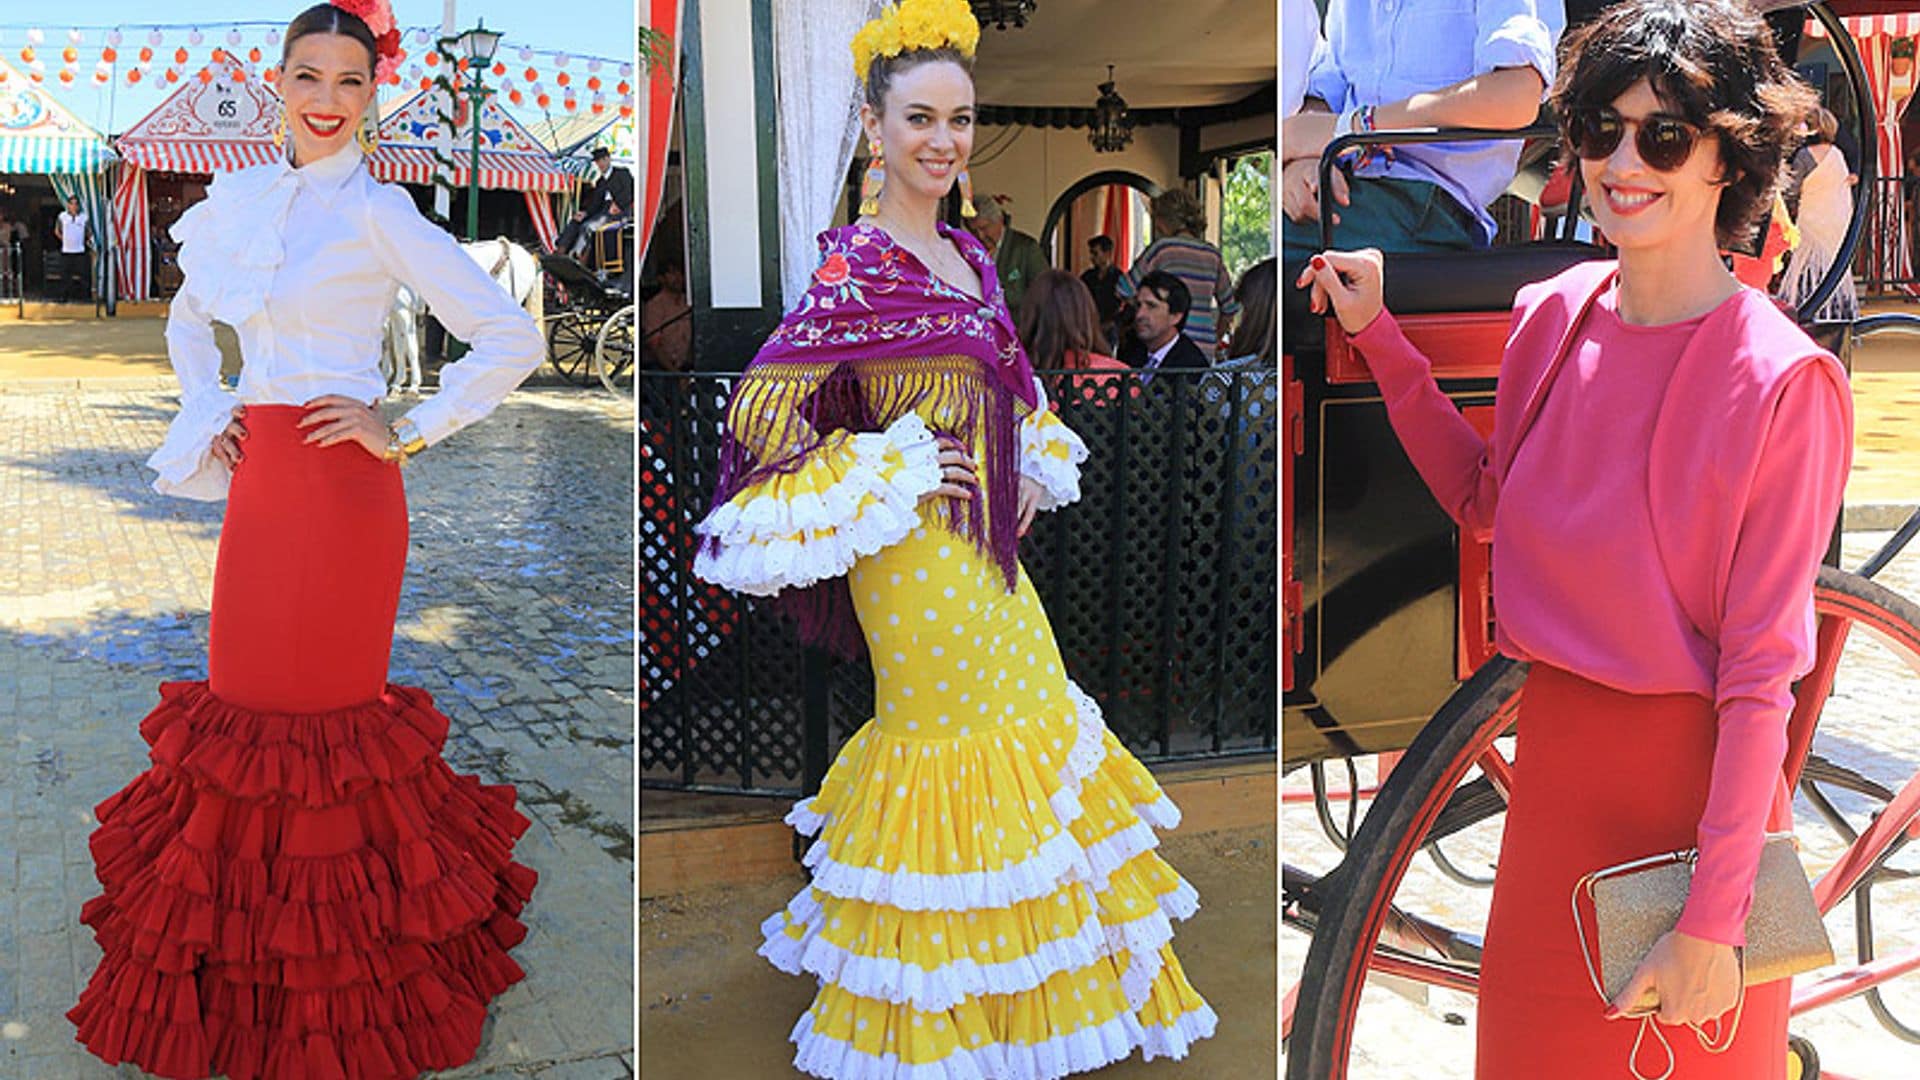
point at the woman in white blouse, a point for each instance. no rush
(300, 885)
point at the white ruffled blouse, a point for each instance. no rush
(304, 263)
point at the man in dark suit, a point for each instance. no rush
(609, 200)
(1160, 316)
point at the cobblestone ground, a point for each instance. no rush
(1869, 726)
(515, 615)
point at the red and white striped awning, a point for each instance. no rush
(196, 157)
(498, 169)
(1901, 24)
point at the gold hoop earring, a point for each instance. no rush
(876, 178)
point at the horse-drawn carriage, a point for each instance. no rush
(1390, 657)
(590, 311)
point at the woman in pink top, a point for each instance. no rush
(1662, 480)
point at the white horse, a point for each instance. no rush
(516, 269)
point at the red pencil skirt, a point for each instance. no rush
(300, 886)
(1600, 777)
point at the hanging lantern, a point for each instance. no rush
(1002, 12)
(543, 101)
(626, 71)
(26, 55)
(113, 37)
(498, 69)
(66, 77)
(624, 88)
(133, 76)
(560, 59)
(206, 75)
(146, 54)
(515, 97)
(593, 66)
(433, 59)
(626, 112)
(563, 78)
(1112, 128)
(233, 37)
(593, 83)
(69, 54)
(253, 55)
(172, 75)
(73, 36)
(35, 36)
(426, 84)
(273, 37)
(109, 54)
(219, 56)
(154, 37)
(526, 55)
(195, 37)
(179, 56)
(102, 75)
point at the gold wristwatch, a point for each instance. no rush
(403, 441)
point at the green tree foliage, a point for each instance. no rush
(1246, 226)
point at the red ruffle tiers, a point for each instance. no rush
(315, 896)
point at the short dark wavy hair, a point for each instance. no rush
(1716, 64)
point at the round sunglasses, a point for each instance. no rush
(1664, 142)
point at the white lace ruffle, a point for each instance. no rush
(1059, 479)
(757, 550)
(804, 819)
(1084, 1050)
(230, 241)
(926, 989)
(185, 463)
(1176, 1039)
(1056, 861)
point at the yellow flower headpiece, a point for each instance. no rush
(916, 24)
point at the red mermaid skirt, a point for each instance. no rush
(1600, 777)
(300, 886)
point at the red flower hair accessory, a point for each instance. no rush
(378, 15)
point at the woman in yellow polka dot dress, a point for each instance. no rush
(986, 899)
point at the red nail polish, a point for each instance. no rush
(1319, 263)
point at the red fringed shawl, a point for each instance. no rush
(877, 336)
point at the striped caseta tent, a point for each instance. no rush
(38, 136)
(210, 125)
(511, 159)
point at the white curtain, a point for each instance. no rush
(819, 123)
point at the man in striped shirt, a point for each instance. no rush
(1179, 220)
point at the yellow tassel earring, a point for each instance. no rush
(871, 184)
(280, 133)
(369, 137)
(966, 195)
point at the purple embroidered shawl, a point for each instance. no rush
(877, 336)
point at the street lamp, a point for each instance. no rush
(478, 44)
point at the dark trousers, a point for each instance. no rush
(78, 275)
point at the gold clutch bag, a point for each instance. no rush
(1636, 902)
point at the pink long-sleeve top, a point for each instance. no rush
(1658, 498)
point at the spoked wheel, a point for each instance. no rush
(613, 353)
(570, 341)
(1385, 928)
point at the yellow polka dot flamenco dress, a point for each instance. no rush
(986, 900)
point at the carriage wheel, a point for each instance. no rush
(613, 353)
(1376, 919)
(570, 338)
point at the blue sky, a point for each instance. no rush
(580, 28)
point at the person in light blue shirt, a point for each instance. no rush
(1391, 64)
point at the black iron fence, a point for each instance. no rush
(1160, 584)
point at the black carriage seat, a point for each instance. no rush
(1476, 281)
